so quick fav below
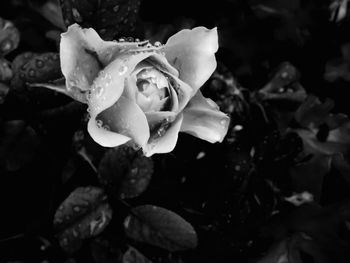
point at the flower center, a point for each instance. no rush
(153, 89)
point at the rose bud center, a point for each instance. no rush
(153, 90)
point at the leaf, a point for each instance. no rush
(284, 86)
(18, 144)
(9, 37)
(132, 255)
(111, 18)
(36, 68)
(160, 227)
(124, 172)
(84, 213)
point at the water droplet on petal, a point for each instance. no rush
(106, 127)
(123, 69)
(99, 123)
(223, 122)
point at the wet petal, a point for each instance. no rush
(83, 53)
(167, 142)
(192, 53)
(126, 118)
(109, 85)
(203, 119)
(154, 119)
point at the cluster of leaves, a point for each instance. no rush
(276, 190)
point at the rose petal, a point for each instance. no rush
(104, 137)
(183, 93)
(109, 85)
(125, 117)
(78, 66)
(167, 142)
(203, 119)
(192, 53)
(161, 63)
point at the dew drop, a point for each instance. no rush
(106, 127)
(76, 14)
(39, 63)
(223, 122)
(157, 44)
(32, 73)
(75, 233)
(284, 75)
(99, 123)
(116, 8)
(64, 242)
(123, 69)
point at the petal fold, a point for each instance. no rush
(126, 118)
(203, 119)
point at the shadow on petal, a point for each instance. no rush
(203, 119)
(165, 142)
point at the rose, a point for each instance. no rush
(142, 92)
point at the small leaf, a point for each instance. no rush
(160, 227)
(18, 144)
(132, 255)
(37, 68)
(83, 214)
(9, 37)
(125, 172)
(284, 86)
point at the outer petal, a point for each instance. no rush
(192, 53)
(78, 65)
(125, 118)
(83, 53)
(203, 119)
(167, 142)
